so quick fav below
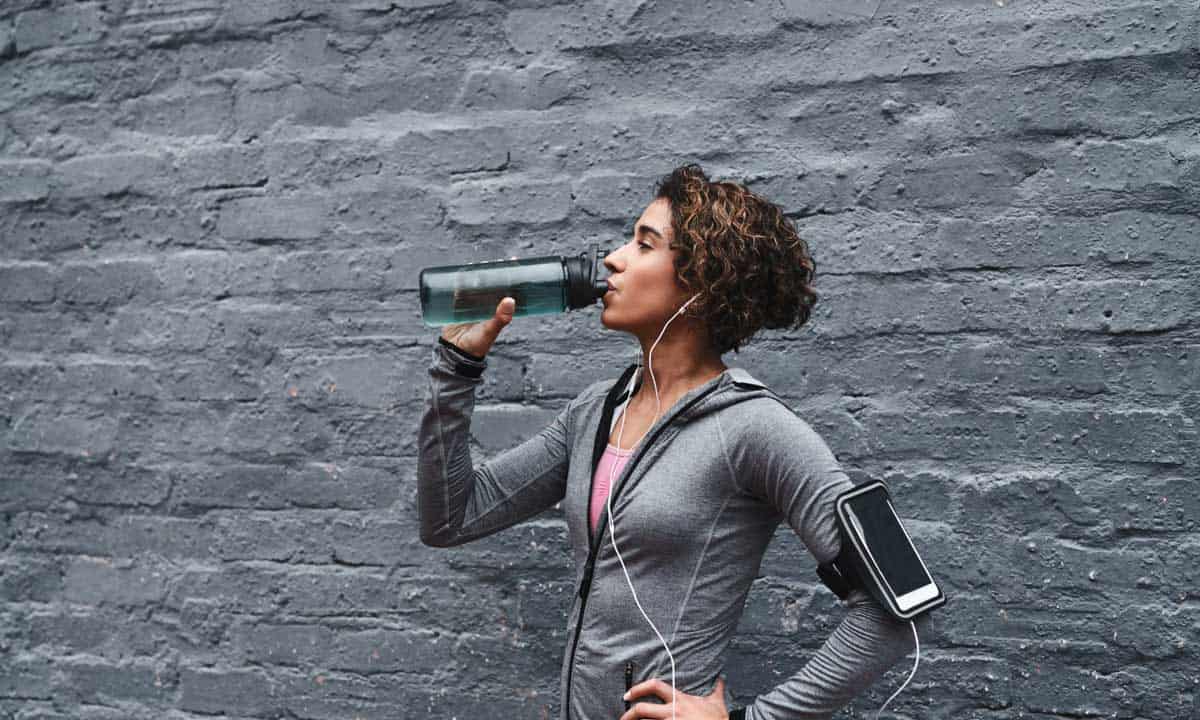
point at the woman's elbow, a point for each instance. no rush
(432, 540)
(899, 634)
(439, 537)
(925, 625)
(911, 632)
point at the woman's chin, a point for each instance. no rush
(608, 320)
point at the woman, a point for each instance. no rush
(672, 489)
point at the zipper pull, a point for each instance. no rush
(628, 680)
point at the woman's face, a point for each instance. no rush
(642, 270)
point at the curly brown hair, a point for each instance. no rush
(741, 253)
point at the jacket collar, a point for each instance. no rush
(730, 387)
(738, 375)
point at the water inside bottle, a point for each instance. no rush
(470, 293)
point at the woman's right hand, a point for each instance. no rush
(477, 337)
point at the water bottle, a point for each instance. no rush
(540, 285)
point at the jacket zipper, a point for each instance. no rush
(594, 543)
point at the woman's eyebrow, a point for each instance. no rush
(647, 229)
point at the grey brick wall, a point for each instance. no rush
(212, 215)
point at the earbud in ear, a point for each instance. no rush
(689, 302)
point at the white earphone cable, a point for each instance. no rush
(612, 534)
(917, 640)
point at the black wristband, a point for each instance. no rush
(456, 348)
(460, 359)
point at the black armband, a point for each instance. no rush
(878, 555)
(839, 576)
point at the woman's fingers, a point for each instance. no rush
(647, 710)
(681, 707)
(653, 687)
(477, 337)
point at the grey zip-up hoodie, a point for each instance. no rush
(695, 508)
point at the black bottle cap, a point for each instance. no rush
(583, 287)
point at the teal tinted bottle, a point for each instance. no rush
(540, 285)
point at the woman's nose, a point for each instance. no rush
(610, 262)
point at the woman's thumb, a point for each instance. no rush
(490, 329)
(506, 309)
(502, 317)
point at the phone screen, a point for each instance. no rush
(893, 551)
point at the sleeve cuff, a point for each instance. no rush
(463, 363)
(459, 350)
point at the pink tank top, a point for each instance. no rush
(611, 462)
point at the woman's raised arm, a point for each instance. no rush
(459, 502)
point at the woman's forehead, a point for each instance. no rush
(659, 207)
(658, 216)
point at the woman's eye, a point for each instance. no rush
(644, 245)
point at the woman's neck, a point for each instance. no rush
(682, 359)
(674, 382)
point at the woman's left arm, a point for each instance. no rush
(861, 648)
(792, 468)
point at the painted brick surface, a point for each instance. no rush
(212, 217)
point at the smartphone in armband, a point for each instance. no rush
(878, 554)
